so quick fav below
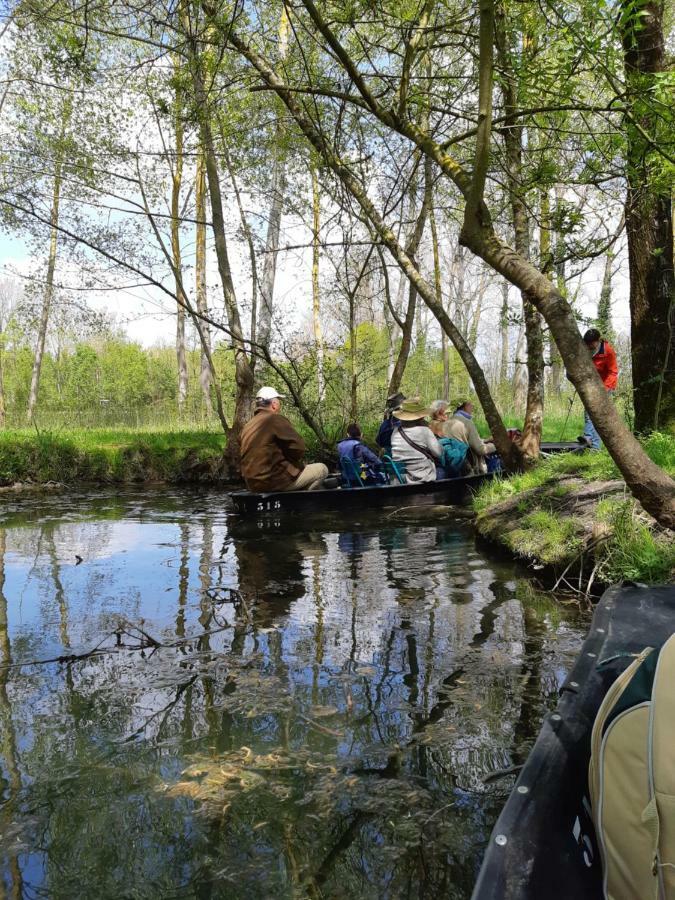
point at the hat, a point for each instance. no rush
(410, 410)
(268, 393)
(395, 400)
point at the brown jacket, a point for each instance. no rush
(271, 452)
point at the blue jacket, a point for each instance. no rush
(383, 438)
(358, 452)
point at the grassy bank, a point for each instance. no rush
(109, 455)
(573, 515)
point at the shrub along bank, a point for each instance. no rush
(105, 456)
(573, 515)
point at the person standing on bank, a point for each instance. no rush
(604, 360)
(272, 450)
(414, 443)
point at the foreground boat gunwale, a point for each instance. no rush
(543, 843)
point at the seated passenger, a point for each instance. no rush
(383, 438)
(367, 464)
(439, 416)
(462, 428)
(414, 444)
(272, 450)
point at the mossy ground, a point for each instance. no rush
(109, 455)
(573, 510)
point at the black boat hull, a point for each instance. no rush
(544, 844)
(448, 490)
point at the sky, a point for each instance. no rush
(146, 316)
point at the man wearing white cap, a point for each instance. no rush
(272, 450)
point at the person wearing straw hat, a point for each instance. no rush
(272, 451)
(413, 442)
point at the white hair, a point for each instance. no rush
(438, 406)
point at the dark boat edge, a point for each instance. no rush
(543, 843)
(449, 490)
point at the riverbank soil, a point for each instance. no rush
(571, 518)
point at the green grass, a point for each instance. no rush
(588, 466)
(105, 455)
(545, 537)
(635, 552)
(547, 531)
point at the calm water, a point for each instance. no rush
(201, 708)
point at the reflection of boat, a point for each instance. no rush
(544, 844)
(444, 491)
(447, 490)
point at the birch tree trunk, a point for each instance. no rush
(445, 351)
(353, 374)
(269, 271)
(205, 377)
(243, 371)
(412, 245)
(51, 266)
(504, 334)
(514, 134)
(176, 185)
(316, 296)
(604, 320)
(519, 382)
(3, 407)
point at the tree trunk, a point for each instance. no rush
(406, 342)
(604, 320)
(249, 242)
(649, 222)
(412, 245)
(445, 352)
(243, 371)
(271, 251)
(520, 369)
(555, 358)
(316, 296)
(51, 267)
(534, 413)
(472, 335)
(276, 208)
(459, 271)
(353, 379)
(3, 415)
(205, 377)
(176, 184)
(513, 133)
(504, 334)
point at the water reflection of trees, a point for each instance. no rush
(335, 718)
(11, 782)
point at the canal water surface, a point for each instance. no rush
(194, 706)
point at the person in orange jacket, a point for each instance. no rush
(604, 360)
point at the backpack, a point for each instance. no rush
(631, 779)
